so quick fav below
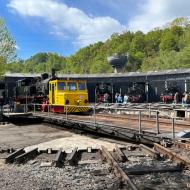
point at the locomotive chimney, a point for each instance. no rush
(53, 73)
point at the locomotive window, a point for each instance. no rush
(61, 86)
(72, 86)
(50, 87)
(82, 86)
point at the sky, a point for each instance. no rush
(65, 26)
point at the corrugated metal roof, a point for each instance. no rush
(19, 75)
(129, 74)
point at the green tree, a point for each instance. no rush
(181, 21)
(182, 59)
(168, 42)
(7, 43)
(184, 40)
(138, 42)
(16, 66)
(152, 41)
(2, 66)
(7, 46)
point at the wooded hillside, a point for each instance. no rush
(160, 49)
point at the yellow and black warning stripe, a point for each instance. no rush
(73, 109)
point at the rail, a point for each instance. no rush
(117, 160)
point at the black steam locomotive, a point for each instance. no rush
(31, 90)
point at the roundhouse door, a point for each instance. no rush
(53, 92)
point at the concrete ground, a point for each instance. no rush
(69, 143)
(44, 136)
(32, 176)
(14, 136)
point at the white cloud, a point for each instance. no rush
(63, 20)
(156, 13)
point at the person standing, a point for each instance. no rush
(119, 99)
(185, 99)
(125, 99)
(176, 98)
(188, 98)
(116, 97)
(106, 99)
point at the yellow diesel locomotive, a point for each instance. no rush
(68, 96)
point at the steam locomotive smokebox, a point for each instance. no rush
(118, 62)
(45, 76)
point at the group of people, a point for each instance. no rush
(185, 98)
(119, 99)
(177, 98)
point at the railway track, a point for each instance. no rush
(165, 121)
(179, 152)
(132, 167)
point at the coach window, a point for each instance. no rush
(72, 86)
(82, 86)
(61, 86)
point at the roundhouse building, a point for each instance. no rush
(8, 82)
(153, 83)
(150, 84)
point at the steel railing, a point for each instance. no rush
(95, 109)
(115, 108)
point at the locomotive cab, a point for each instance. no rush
(68, 96)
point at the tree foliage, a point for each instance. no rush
(7, 43)
(7, 47)
(159, 49)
